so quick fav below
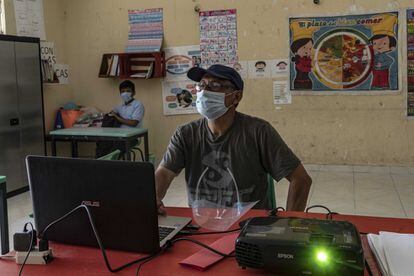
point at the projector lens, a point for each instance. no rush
(323, 260)
(321, 256)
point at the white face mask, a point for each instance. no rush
(211, 104)
(126, 96)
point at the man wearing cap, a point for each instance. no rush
(227, 155)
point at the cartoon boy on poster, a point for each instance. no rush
(383, 42)
(301, 47)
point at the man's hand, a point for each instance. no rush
(161, 208)
(299, 187)
(163, 179)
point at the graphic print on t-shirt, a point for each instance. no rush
(217, 183)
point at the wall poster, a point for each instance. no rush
(241, 67)
(29, 18)
(218, 37)
(259, 69)
(179, 97)
(410, 63)
(146, 30)
(178, 60)
(344, 53)
(281, 93)
(279, 67)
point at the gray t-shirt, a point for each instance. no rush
(239, 160)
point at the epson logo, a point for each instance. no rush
(284, 256)
(91, 203)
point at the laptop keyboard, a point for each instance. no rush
(164, 231)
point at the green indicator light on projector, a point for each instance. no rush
(322, 257)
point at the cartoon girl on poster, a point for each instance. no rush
(383, 42)
(301, 47)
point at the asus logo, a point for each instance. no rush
(91, 203)
(284, 256)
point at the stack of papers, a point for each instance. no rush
(394, 253)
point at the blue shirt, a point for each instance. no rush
(132, 111)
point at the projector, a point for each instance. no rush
(298, 246)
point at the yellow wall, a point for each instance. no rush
(335, 129)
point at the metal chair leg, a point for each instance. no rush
(142, 155)
(133, 154)
(140, 152)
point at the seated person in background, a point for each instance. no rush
(227, 146)
(129, 114)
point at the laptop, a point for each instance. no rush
(121, 197)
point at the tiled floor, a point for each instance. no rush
(362, 190)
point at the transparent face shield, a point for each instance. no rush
(217, 205)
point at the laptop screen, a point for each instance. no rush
(121, 196)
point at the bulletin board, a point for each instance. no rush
(344, 53)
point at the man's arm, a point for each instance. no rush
(132, 123)
(163, 179)
(299, 187)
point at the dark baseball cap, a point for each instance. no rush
(218, 71)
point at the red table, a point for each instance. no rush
(77, 260)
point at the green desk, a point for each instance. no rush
(99, 134)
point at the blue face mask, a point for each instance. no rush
(126, 96)
(211, 104)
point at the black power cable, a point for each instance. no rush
(329, 215)
(146, 261)
(317, 206)
(42, 235)
(273, 212)
(143, 260)
(30, 246)
(98, 239)
(170, 243)
(192, 233)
